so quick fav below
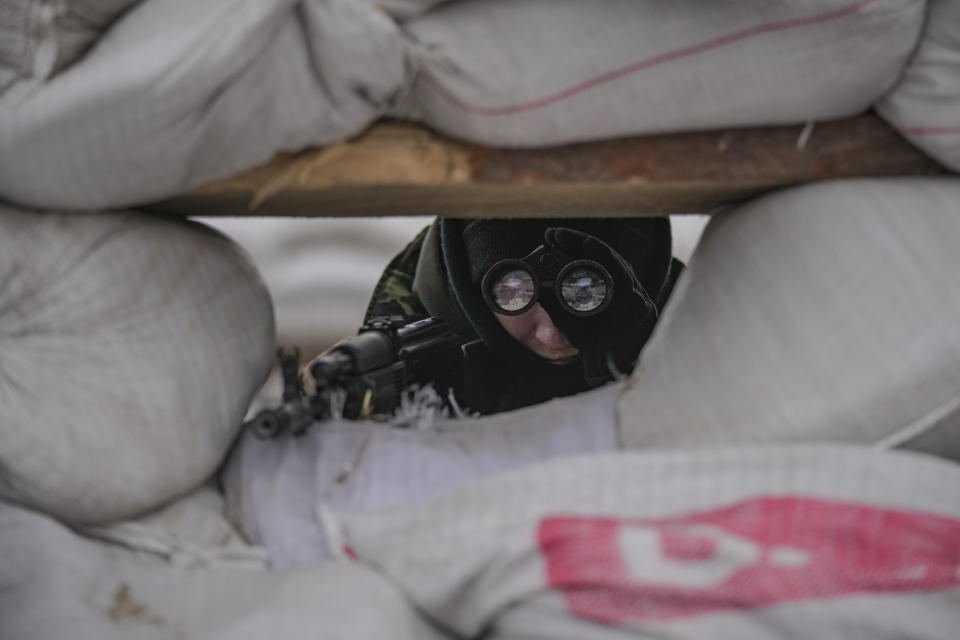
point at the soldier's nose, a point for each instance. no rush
(548, 333)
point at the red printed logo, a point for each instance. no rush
(753, 553)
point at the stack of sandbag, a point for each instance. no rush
(174, 94)
(131, 347)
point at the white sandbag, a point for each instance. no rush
(131, 348)
(39, 38)
(542, 72)
(184, 92)
(828, 312)
(56, 585)
(277, 490)
(925, 104)
(805, 541)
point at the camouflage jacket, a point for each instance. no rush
(393, 295)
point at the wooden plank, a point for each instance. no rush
(401, 169)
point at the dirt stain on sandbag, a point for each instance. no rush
(126, 607)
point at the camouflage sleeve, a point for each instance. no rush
(393, 295)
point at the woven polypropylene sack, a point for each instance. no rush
(778, 542)
(274, 488)
(130, 347)
(180, 93)
(924, 104)
(827, 312)
(544, 72)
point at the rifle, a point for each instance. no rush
(366, 375)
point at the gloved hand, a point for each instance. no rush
(610, 341)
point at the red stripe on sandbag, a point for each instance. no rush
(930, 131)
(634, 67)
(758, 552)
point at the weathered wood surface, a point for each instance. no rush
(399, 169)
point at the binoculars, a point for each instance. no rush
(582, 287)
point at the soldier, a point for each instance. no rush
(544, 307)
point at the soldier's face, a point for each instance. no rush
(535, 330)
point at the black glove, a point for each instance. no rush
(610, 341)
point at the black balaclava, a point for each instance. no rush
(469, 247)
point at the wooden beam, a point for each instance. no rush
(401, 169)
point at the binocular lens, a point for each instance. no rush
(583, 289)
(513, 290)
